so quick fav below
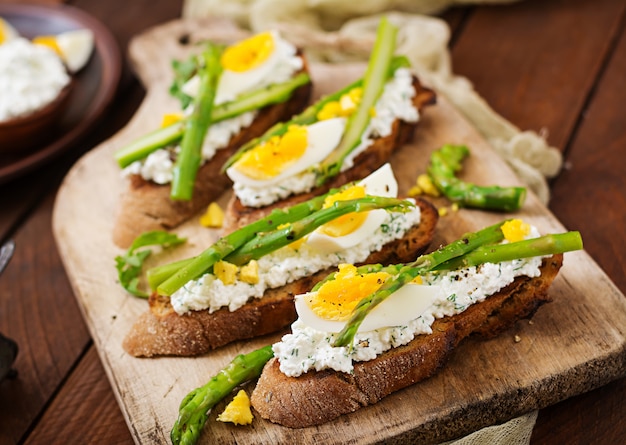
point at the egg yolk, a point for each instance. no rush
(272, 157)
(248, 53)
(50, 42)
(515, 230)
(336, 299)
(170, 119)
(347, 223)
(4, 31)
(344, 107)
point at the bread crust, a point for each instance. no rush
(318, 397)
(146, 205)
(161, 331)
(238, 215)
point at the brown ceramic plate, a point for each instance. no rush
(94, 86)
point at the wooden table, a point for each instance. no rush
(557, 65)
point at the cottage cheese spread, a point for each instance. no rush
(308, 349)
(31, 76)
(394, 103)
(286, 265)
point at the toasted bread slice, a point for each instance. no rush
(238, 215)
(146, 205)
(161, 331)
(318, 397)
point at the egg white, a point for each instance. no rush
(381, 182)
(404, 305)
(76, 47)
(233, 83)
(8, 31)
(322, 138)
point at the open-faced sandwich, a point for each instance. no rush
(243, 286)
(365, 332)
(228, 96)
(342, 137)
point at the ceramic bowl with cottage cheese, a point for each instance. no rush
(34, 90)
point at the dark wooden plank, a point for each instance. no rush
(85, 408)
(594, 173)
(596, 417)
(38, 311)
(16, 198)
(535, 61)
(596, 161)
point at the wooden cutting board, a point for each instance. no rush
(574, 344)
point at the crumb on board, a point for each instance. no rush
(238, 410)
(213, 217)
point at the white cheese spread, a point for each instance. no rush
(308, 349)
(394, 103)
(31, 76)
(287, 265)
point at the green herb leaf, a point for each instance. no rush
(130, 264)
(183, 71)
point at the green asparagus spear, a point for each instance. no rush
(373, 83)
(190, 156)
(162, 137)
(472, 250)
(252, 242)
(193, 411)
(142, 147)
(255, 100)
(446, 162)
(158, 274)
(267, 242)
(543, 245)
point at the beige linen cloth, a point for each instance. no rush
(344, 30)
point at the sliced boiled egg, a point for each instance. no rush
(330, 307)
(7, 31)
(349, 230)
(290, 154)
(247, 62)
(74, 47)
(247, 65)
